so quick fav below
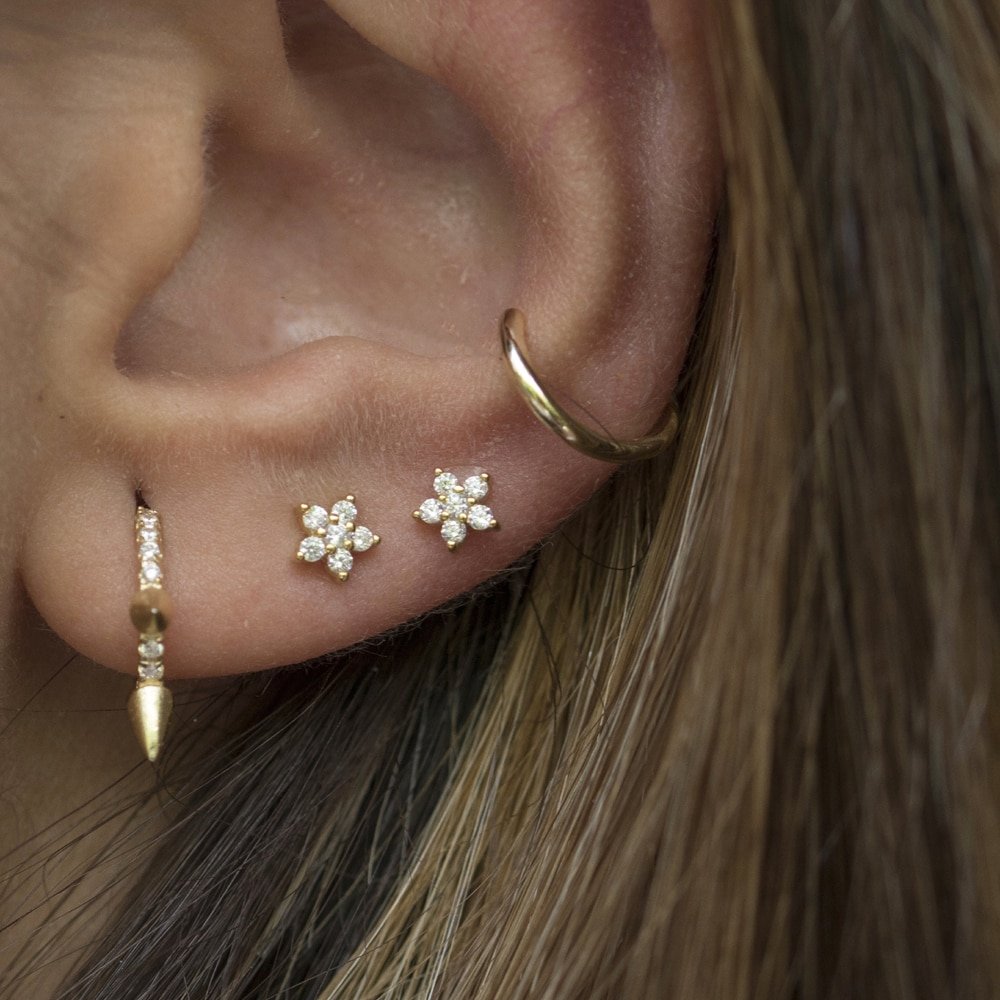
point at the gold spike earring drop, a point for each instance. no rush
(151, 703)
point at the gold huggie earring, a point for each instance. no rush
(151, 702)
(512, 329)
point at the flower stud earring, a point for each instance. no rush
(456, 507)
(334, 536)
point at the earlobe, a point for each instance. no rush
(575, 150)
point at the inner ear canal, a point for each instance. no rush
(371, 204)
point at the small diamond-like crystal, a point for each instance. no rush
(476, 487)
(340, 561)
(480, 517)
(147, 520)
(313, 548)
(336, 536)
(315, 518)
(149, 534)
(345, 511)
(151, 649)
(151, 671)
(445, 483)
(363, 539)
(149, 550)
(431, 511)
(456, 506)
(150, 572)
(453, 532)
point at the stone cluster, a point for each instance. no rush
(334, 536)
(456, 506)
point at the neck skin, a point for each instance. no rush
(81, 809)
(68, 763)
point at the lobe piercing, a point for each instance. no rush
(151, 703)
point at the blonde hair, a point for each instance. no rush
(732, 733)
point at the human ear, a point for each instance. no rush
(293, 235)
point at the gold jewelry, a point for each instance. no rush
(334, 536)
(512, 329)
(151, 609)
(456, 506)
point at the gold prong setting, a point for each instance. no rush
(334, 536)
(456, 507)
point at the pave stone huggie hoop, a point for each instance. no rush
(151, 703)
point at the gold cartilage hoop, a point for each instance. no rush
(606, 449)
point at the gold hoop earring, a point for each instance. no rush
(606, 449)
(151, 703)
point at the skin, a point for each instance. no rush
(240, 272)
